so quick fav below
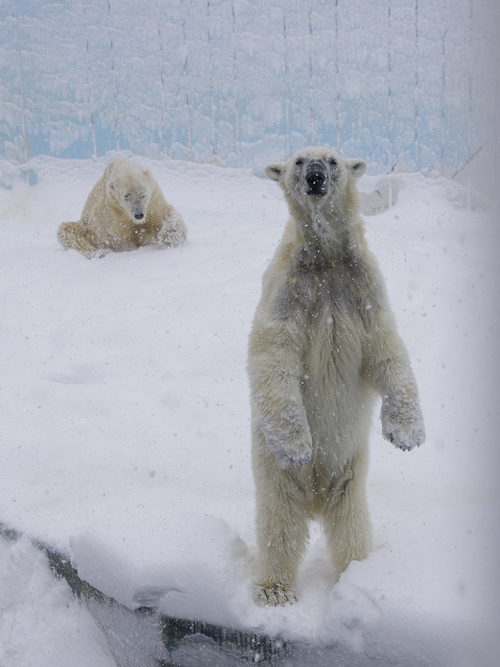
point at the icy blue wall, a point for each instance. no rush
(246, 80)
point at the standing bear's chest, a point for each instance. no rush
(326, 311)
(311, 294)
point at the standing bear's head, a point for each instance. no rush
(318, 179)
(131, 186)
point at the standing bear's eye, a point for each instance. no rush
(300, 161)
(332, 162)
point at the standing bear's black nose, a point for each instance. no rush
(139, 216)
(316, 179)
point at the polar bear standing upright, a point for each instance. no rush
(125, 209)
(323, 341)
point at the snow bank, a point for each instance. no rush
(176, 562)
(40, 622)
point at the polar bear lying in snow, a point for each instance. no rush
(124, 210)
(323, 342)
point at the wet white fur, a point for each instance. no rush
(323, 344)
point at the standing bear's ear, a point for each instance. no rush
(356, 167)
(275, 170)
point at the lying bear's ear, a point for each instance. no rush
(275, 170)
(356, 167)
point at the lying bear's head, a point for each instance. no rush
(131, 187)
(315, 176)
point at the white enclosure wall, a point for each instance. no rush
(246, 81)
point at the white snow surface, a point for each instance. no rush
(125, 432)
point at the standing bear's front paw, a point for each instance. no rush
(296, 450)
(403, 426)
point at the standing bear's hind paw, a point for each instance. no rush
(274, 594)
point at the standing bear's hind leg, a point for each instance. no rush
(282, 533)
(346, 518)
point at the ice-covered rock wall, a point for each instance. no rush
(389, 80)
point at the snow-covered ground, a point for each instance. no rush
(125, 425)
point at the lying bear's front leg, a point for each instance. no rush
(76, 236)
(173, 231)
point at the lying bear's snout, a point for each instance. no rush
(316, 179)
(139, 216)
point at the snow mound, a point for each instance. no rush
(185, 565)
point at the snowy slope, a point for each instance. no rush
(125, 424)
